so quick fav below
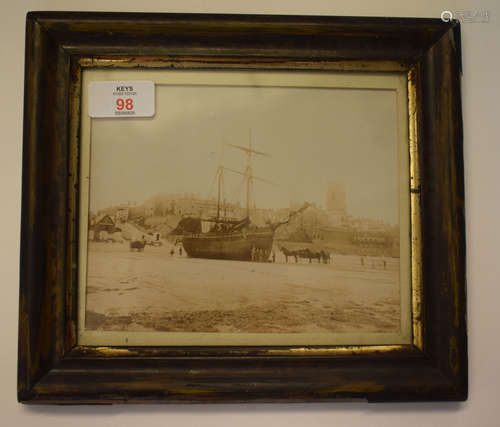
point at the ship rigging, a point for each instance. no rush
(234, 239)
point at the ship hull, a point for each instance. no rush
(230, 246)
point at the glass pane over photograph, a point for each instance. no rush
(253, 208)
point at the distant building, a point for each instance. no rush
(149, 211)
(136, 213)
(189, 205)
(336, 204)
(121, 214)
(103, 225)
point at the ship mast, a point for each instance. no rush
(219, 189)
(248, 174)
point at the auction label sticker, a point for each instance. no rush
(121, 99)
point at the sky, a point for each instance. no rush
(313, 135)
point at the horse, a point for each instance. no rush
(325, 256)
(288, 252)
(302, 253)
(137, 244)
(316, 255)
(308, 254)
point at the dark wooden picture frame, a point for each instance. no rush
(52, 368)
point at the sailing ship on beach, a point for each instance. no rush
(229, 238)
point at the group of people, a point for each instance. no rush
(261, 255)
(373, 263)
(172, 251)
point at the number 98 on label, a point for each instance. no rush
(121, 98)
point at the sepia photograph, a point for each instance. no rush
(252, 208)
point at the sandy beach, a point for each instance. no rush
(156, 291)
